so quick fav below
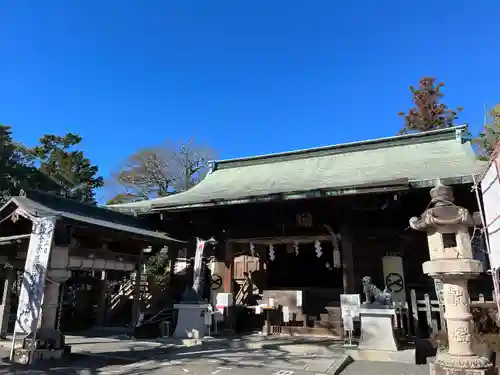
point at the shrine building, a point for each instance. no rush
(305, 226)
(59, 259)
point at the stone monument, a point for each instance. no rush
(376, 315)
(192, 309)
(451, 261)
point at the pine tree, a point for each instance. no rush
(16, 168)
(70, 174)
(490, 135)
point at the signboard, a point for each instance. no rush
(224, 299)
(208, 318)
(35, 270)
(348, 321)
(286, 314)
(349, 305)
(392, 267)
(299, 298)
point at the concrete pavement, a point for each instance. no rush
(269, 356)
(91, 365)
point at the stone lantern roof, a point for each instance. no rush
(442, 211)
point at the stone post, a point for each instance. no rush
(451, 262)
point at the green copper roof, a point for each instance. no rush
(411, 160)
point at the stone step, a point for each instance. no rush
(327, 324)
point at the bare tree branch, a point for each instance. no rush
(160, 171)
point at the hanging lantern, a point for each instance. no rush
(296, 247)
(271, 252)
(252, 249)
(317, 247)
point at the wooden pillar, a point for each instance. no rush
(10, 274)
(136, 307)
(102, 307)
(263, 268)
(173, 254)
(228, 284)
(348, 276)
(229, 263)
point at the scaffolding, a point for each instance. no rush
(487, 190)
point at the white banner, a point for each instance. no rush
(35, 270)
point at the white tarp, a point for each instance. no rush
(490, 189)
(35, 270)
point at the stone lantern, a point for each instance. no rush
(451, 262)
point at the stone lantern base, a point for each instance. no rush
(436, 368)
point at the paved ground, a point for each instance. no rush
(105, 356)
(101, 366)
(230, 362)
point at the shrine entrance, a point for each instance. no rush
(80, 298)
(305, 267)
(301, 274)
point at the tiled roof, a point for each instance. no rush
(41, 204)
(415, 158)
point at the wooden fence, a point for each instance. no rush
(422, 317)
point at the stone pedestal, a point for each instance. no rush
(48, 343)
(451, 262)
(376, 328)
(435, 368)
(190, 320)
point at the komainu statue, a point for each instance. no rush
(374, 295)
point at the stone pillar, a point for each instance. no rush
(57, 274)
(451, 261)
(10, 275)
(50, 304)
(458, 316)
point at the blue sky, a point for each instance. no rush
(245, 77)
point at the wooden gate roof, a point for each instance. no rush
(40, 204)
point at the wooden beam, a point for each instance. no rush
(14, 239)
(281, 240)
